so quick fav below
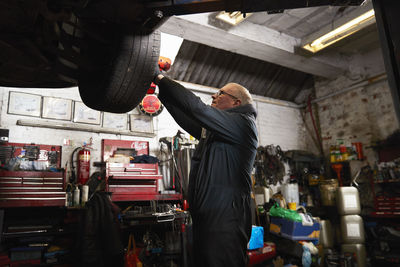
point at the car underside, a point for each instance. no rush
(109, 49)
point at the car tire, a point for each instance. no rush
(122, 70)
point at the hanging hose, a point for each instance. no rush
(315, 126)
(73, 174)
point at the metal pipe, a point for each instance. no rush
(352, 87)
(75, 127)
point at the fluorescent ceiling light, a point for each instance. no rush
(233, 18)
(341, 32)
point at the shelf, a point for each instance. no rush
(32, 202)
(385, 214)
(32, 233)
(387, 181)
(144, 197)
(160, 217)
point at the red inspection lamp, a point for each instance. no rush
(150, 104)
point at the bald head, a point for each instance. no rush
(231, 95)
(240, 92)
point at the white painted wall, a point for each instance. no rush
(277, 125)
(22, 134)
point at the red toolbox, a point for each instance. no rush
(257, 256)
(24, 188)
(131, 181)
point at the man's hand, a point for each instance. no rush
(163, 64)
(158, 78)
(157, 71)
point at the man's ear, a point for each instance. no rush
(238, 102)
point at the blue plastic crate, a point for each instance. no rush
(294, 230)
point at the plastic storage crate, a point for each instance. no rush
(294, 230)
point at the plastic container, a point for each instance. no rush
(76, 196)
(326, 234)
(85, 194)
(358, 250)
(262, 194)
(291, 193)
(348, 200)
(294, 230)
(328, 192)
(352, 229)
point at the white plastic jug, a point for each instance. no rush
(291, 193)
(262, 194)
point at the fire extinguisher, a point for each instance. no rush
(83, 166)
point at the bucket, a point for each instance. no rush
(328, 192)
(292, 206)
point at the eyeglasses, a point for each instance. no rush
(220, 92)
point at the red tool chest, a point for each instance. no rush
(132, 181)
(384, 180)
(25, 188)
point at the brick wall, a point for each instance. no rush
(364, 114)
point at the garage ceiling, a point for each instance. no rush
(200, 64)
(263, 52)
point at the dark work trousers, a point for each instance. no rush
(219, 248)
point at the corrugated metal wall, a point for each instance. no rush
(204, 65)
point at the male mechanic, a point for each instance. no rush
(219, 181)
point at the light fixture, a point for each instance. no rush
(233, 18)
(341, 32)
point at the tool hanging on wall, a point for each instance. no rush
(176, 153)
(173, 147)
(269, 165)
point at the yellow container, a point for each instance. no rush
(292, 205)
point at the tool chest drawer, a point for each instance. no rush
(141, 187)
(31, 188)
(133, 171)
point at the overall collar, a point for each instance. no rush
(246, 109)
